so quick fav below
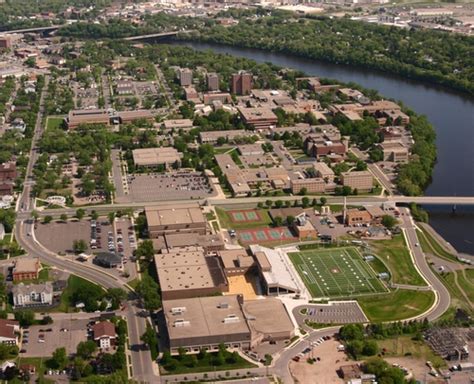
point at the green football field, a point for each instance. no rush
(336, 272)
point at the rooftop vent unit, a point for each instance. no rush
(178, 310)
(181, 323)
(231, 319)
(223, 305)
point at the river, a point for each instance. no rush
(451, 114)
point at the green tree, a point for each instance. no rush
(63, 217)
(111, 217)
(389, 221)
(59, 358)
(370, 348)
(85, 349)
(323, 201)
(303, 191)
(25, 317)
(79, 246)
(305, 202)
(80, 213)
(278, 221)
(47, 219)
(268, 203)
(94, 215)
(116, 296)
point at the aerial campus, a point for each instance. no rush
(174, 215)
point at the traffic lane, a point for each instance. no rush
(444, 299)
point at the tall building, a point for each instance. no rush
(212, 81)
(185, 77)
(241, 83)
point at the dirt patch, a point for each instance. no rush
(325, 370)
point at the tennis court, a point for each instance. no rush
(244, 216)
(336, 272)
(258, 235)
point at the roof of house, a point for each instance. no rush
(7, 328)
(22, 289)
(26, 264)
(103, 329)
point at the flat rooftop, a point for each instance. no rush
(258, 113)
(258, 311)
(155, 156)
(204, 317)
(157, 216)
(187, 268)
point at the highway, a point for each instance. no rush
(24, 234)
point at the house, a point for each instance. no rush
(8, 331)
(108, 259)
(104, 334)
(26, 268)
(18, 124)
(32, 295)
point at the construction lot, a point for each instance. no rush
(44, 339)
(336, 272)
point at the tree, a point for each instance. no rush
(278, 204)
(355, 348)
(111, 217)
(25, 317)
(278, 221)
(323, 201)
(59, 358)
(34, 215)
(85, 349)
(145, 251)
(290, 220)
(303, 191)
(268, 203)
(150, 338)
(305, 202)
(370, 348)
(116, 296)
(63, 217)
(80, 213)
(148, 289)
(351, 332)
(389, 221)
(47, 219)
(79, 246)
(94, 215)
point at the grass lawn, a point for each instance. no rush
(457, 298)
(404, 346)
(431, 245)
(466, 281)
(38, 362)
(226, 221)
(74, 283)
(222, 150)
(54, 122)
(206, 364)
(396, 305)
(336, 272)
(395, 255)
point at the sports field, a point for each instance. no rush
(336, 272)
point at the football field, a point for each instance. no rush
(336, 272)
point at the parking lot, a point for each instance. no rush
(42, 340)
(168, 186)
(59, 236)
(334, 313)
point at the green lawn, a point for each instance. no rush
(192, 364)
(430, 245)
(336, 272)
(394, 253)
(54, 122)
(396, 305)
(457, 298)
(404, 346)
(226, 221)
(74, 283)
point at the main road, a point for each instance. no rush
(24, 234)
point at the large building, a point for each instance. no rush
(183, 219)
(32, 295)
(26, 268)
(320, 145)
(153, 157)
(185, 77)
(394, 151)
(209, 242)
(314, 185)
(260, 118)
(87, 116)
(241, 83)
(363, 181)
(187, 272)
(206, 322)
(211, 137)
(212, 81)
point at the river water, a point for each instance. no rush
(451, 114)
